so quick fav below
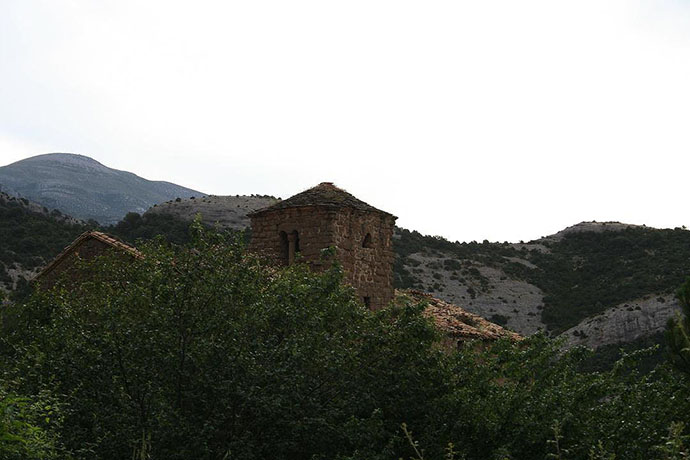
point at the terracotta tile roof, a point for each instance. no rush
(107, 239)
(325, 194)
(459, 324)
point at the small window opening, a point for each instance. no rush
(367, 301)
(289, 247)
(367, 243)
(284, 249)
(296, 241)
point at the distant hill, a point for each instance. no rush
(84, 188)
(228, 212)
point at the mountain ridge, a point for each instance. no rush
(84, 188)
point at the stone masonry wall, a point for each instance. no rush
(368, 269)
(314, 227)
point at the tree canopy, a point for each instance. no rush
(202, 351)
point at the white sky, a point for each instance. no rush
(499, 120)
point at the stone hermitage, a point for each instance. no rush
(302, 226)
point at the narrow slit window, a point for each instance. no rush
(367, 243)
(284, 249)
(296, 241)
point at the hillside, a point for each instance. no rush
(611, 282)
(84, 188)
(30, 236)
(222, 211)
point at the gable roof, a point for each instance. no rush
(100, 236)
(458, 323)
(325, 195)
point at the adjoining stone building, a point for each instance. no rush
(301, 227)
(87, 246)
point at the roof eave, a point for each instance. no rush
(263, 211)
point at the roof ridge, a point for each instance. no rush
(325, 194)
(103, 237)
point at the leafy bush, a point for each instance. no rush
(27, 427)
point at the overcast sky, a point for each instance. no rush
(499, 120)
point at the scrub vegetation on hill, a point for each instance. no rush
(198, 351)
(585, 273)
(581, 274)
(30, 238)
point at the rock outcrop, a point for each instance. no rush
(623, 323)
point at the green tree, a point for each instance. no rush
(678, 331)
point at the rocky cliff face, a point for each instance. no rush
(84, 188)
(625, 322)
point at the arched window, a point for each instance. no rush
(289, 247)
(367, 243)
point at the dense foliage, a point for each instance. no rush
(174, 229)
(199, 351)
(28, 427)
(203, 353)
